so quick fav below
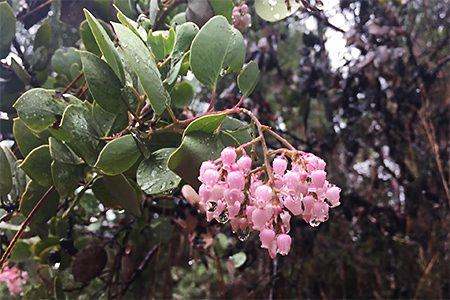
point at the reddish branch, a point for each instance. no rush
(27, 221)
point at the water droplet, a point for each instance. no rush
(314, 223)
(243, 235)
(224, 218)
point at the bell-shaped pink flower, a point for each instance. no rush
(291, 180)
(279, 165)
(286, 219)
(263, 194)
(234, 209)
(210, 177)
(320, 211)
(266, 236)
(332, 195)
(245, 163)
(235, 180)
(284, 243)
(318, 178)
(294, 205)
(228, 156)
(259, 218)
(206, 165)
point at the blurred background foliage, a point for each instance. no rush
(362, 83)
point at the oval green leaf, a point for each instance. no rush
(217, 47)
(248, 78)
(118, 155)
(275, 10)
(37, 165)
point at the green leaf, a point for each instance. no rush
(27, 139)
(182, 94)
(130, 24)
(178, 19)
(88, 39)
(117, 192)
(103, 84)
(201, 142)
(6, 181)
(66, 61)
(30, 198)
(37, 165)
(39, 108)
(141, 60)
(217, 47)
(184, 34)
(161, 43)
(108, 123)
(43, 36)
(61, 153)
(248, 78)
(239, 259)
(118, 155)
(79, 133)
(21, 252)
(105, 44)
(275, 10)
(223, 7)
(18, 175)
(7, 28)
(66, 177)
(153, 175)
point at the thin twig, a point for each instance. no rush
(72, 83)
(24, 225)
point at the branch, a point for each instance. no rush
(166, 13)
(24, 225)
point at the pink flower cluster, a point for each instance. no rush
(14, 279)
(252, 199)
(241, 18)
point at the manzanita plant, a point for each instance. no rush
(121, 131)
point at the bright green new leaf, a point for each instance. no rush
(218, 47)
(239, 259)
(31, 197)
(248, 78)
(103, 84)
(154, 176)
(39, 108)
(7, 28)
(78, 131)
(275, 10)
(118, 155)
(161, 43)
(6, 182)
(141, 60)
(117, 192)
(37, 165)
(106, 46)
(182, 94)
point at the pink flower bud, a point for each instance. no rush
(228, 156)
(266, 236)
(284, 244)
(205, 193)
(259, 218)
(210, 177)
(232, 196)
(245, 163)
(236, 180)
(279, 165)
(318, 178)
(273, 249)
(332, 195)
